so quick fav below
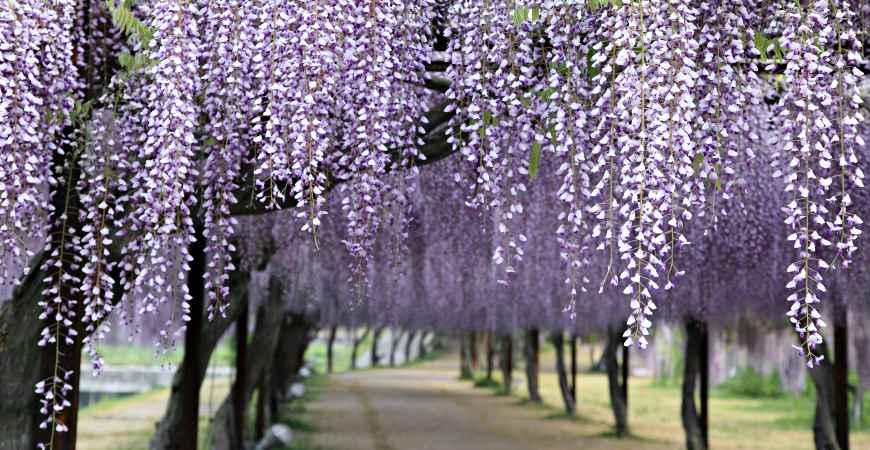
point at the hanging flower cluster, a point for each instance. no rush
(128, 133)
(818, 113)
(651, 108)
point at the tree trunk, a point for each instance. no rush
(824, 428)
(265, 341)
(626, 371)
(408, 346)
(841, 375)
(465, 372)
(490, 356)
(567, 399)
(532, 363)
(472, 347)
(694, 423)
(507, 363)
(618, 397)
(395, 338)
(171, 424)
(421, 350)
(190, 381)
(375, 358)
(330, 342)
(238, 390)
(21, 362)
(289, 354)
(574, 367)
(857, 404)
(264, 399)
(355, 346)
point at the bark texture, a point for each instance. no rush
(21, 362)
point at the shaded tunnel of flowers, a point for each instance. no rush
(544, 169)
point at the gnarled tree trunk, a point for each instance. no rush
(293, 340)
(21, 362)
(172, 424)
(264, 343)
(557, 340)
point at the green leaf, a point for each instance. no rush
(535, 160)
(521, 14)
(546, 94)
(696, 163)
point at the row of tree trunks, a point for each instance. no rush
(617, 388)
(172, 424)
(696, 372)
(565, 388)
(507, 363)
(267, 333)
(533, 364)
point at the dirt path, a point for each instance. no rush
(426, 408)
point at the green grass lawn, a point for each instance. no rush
(134, 355)
(783, 422)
